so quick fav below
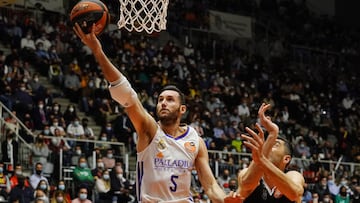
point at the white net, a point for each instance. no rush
(143, 15)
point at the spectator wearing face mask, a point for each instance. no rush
(77, 154)
(59, 197)
(42, 191)
(40, 150)
(343, 196)
(237, 142)
(99, 169)
(40, 116)
(56, 125)
(321, 187)
(62, 191)
(21, 191)
(75, 130)
(70, 114)
(82, 195)
(82, 175)
(4, 182)
(224, 178)
(37, 177)
(120, 186)
(14, 178)
(109, 160)
(102, 188)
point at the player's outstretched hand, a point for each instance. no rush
(255, 142)
(266, 120)
(90, 39)
(233, 197)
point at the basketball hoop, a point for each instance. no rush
(6, 2)
(143, 15)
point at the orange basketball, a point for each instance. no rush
(89, 12)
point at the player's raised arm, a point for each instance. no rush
(120, 88)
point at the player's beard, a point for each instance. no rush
(169, 118)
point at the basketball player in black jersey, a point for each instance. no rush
(266, 179)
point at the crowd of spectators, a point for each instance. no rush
(314, 100)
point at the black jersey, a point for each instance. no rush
(262, 195)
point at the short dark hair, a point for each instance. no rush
(288, 146)
(176, 89)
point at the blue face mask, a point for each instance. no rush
(43, 187)
(106, 177)
(61, 187)
(1, 170)
(83, 165)
(83, 196)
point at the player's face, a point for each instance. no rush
(169, 107)
(277, 155)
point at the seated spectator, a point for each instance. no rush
(102, 188)
(104, 137)
(61, 189)
(55, 112)
(56, 144)
(5, 186)
(224, 178)
(82, 195)
(44, 39)
(231, 186)
(109, 160)
(6, 97)
(59, 197)
(24, 100)
(40, 151)
(76, 155)
(14, 180)
(343, 195)
(72, 86)
(35, 84)
(82, 175)
(55, 74)
(88, 147)
(42, 191)
(27, 46)
(55, 125)
(21, 192)
(322, 188)
(75, 130)
(37, 177)
(237, 142)
(87, 97)
(40, 116)
(120, 187)
(99, 169)
(70, 114)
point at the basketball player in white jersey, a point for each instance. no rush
(167, 150)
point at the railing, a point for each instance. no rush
(17, 126)
(218, 164)
(24, 152)
(312, 56)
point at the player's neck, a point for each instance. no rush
(173, 130)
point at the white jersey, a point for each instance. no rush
(164, 168)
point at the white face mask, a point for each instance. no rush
(100, 165)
